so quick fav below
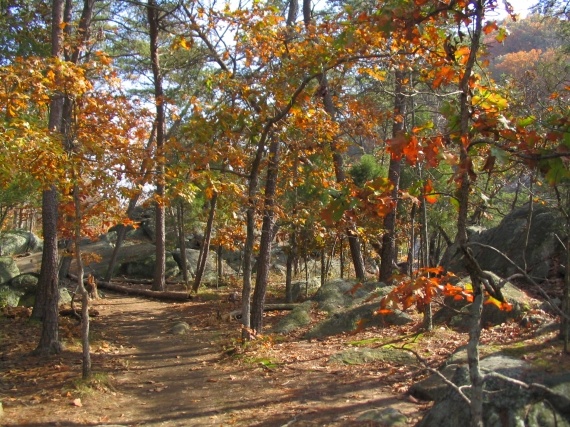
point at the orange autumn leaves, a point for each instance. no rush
(426, 284)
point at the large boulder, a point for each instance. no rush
(21, 291)
(506, 404)
(302, 289)
(18, 242)
(538, 244)
(210, 272)
(352, 306)
(299, 317)
(8, 269)
(143, 266)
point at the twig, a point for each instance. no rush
(424, 362)
(526, 276)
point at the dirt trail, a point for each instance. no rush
(162, 379)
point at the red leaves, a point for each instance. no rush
(419, 290)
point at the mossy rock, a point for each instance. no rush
(299, 317)
(361, 356)
(360, 316)
(8, 269)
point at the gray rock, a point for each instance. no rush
(433, 388)
(9, 297)
(338, 294)
(210, 273)
(505, 404)
(385, 417)
(180, 328)
(25, 282)
(509, 237)
(17, 242)
(361, 356)
(8, 269)
(299, 317)
(301, 289)
(360, 316)
(143, 265)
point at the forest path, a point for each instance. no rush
(157, 378)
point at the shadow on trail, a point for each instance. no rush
(172, 380)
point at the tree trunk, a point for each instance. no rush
(291, 256)
(182, 242)
(564, 324)
(463, 195)
(219, 263)
(122, 230)
(266, 238)
(388, 256)
(428, 315)
(205, 249)
(86, 355)
(160, 236)
(411, 256)
(47, 298)
(341, 258)
(353, 241)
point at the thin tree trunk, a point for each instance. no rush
(205, 249)
(388, 255)
(182, 242)
(86, 355)
(47, 298)
(323, 257)
(66, 259)
(341, 258)
(122, 230)
(220, 263)
(463, 196)
(353, 240)
(428, 316)
(565, 325)
(291, 256)
(411, 255)
(160, 217)
(267, 227)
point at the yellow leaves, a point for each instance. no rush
(181, 43)
(379, 75)
(50, 76)
(487, 100)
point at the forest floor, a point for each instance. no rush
(145, 375)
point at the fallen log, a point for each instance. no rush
(162, 295)
(145, 281)
(236, 314)
(74, 313)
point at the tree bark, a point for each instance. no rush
(471, 265)
(388, 256)
(86, 355)
(182, 242)
(160, 213)
(46, 305)
(205, 249)
(266, 238)
(291, 256)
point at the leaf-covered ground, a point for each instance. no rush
(146, 375)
